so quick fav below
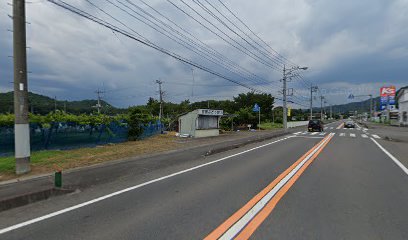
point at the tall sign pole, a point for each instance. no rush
(21, 122)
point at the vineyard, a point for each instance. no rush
(60, 130)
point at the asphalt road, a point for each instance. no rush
(338, 184)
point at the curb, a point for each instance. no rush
(28, 198)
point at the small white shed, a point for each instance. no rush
(200, 123)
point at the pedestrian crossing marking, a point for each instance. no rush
(342, 134)
(352, 135)
(331, 127)
(322, 134)
(375, 136)
(297, 133)
(364, 136)
(314, 133)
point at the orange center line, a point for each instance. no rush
(220, 230)
(251, 227)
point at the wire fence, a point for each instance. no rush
(66, 135)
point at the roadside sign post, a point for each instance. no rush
(257, 108)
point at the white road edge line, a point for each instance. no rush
(396, 161)
(50, 215)
(244, 220)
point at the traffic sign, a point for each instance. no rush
(256, 108)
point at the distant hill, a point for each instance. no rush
(40, 104)
(362, 106)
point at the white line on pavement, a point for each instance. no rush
(331, 127)
(375, 136)
(364, 136)
(314, 133)
(50, 215)
(342, 134)
(396, 161)
(352, 135)
(244, 220)
(322, 134)
(303, 133)
(297, 133)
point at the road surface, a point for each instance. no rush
(338, 184)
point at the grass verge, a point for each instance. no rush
(50, 160)
(269, 125)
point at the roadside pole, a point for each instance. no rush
(285, 123)
(259, 119)
(21, 122)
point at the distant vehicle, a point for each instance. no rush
(315, 125)
(349, 124)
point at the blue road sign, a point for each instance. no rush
(256, 108)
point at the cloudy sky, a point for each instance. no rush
(349, 46)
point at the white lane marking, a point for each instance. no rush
(358, 129)
(314, 133)
(305, 132)
(342, 134)
(322, 134)
(396, 161)
(375, 136)
(244, 220)
(352, 135)
(326, 127)
(331, 127)
(50, 215)
(364, 136)
(365, 129)
(297, 133)
(307, 137)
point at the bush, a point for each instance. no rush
(137, 119)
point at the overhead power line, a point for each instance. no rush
(146, 42)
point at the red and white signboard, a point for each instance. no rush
(387, 91)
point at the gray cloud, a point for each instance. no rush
(347, 45)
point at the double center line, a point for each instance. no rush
(243, 223)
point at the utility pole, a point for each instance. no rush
(285, 114)
(321, 107)
(55, 103)
(331, 112)
(371, 106)
(21, 122)
(312, 90)
(284, 92)
(161, 98)
(192, 86)
(99, 105)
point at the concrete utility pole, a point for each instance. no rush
(321, 107)
(55, 103)
(99, 105)
(21, 122)
(285, 114)
(161, 98)
(331, 112)
(286, 73)
(371, 106)
(312, 90)
(192, 86)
